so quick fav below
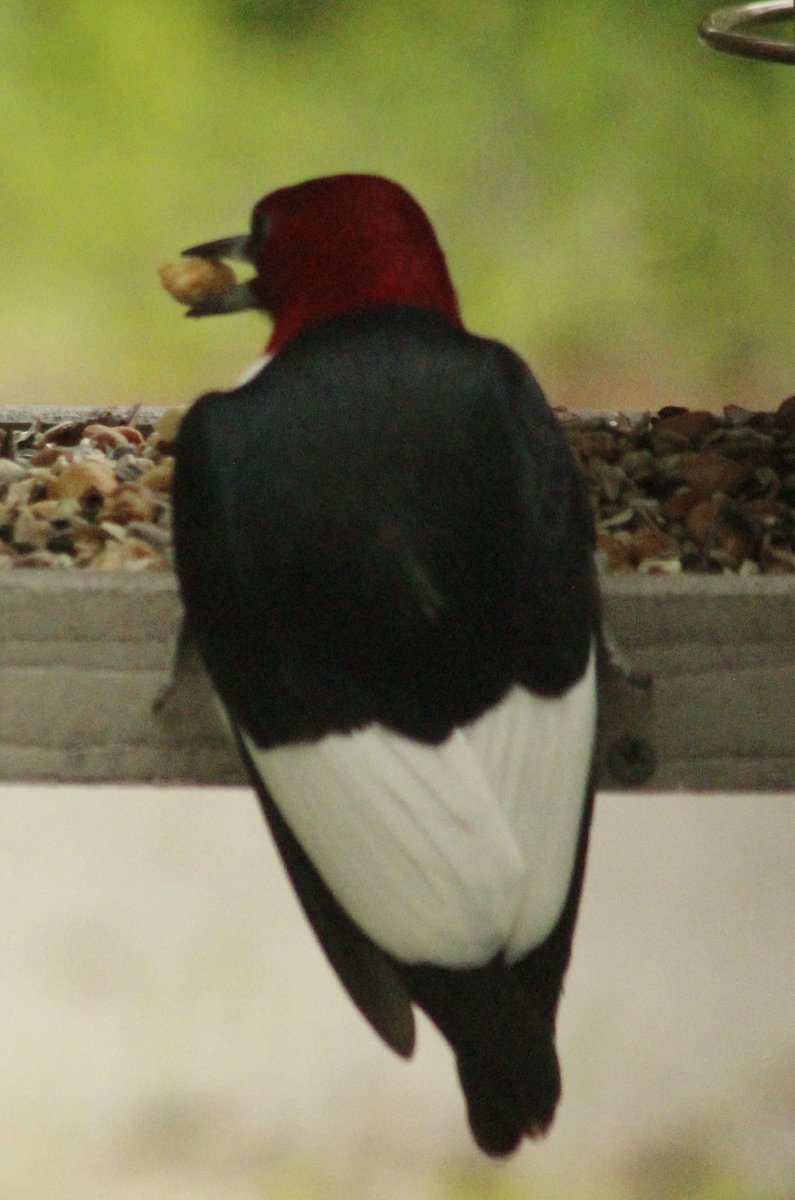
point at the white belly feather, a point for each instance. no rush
(446, 854)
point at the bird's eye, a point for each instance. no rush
(260, 225)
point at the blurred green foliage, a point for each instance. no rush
(615, 199)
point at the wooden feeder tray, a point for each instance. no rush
(85, 654)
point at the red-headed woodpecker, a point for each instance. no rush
(385, 556)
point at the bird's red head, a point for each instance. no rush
(344, 243)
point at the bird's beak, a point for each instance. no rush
(236, 298)
(228, 247)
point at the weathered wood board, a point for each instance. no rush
(84, 655)
(722, 652)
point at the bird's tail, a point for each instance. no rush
(504, 1048)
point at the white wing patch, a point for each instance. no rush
(446, 854)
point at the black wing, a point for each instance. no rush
(385, 524)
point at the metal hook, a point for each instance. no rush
(720, 30)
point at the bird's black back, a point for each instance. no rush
(384, 524)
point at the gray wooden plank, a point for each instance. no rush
(110, 654)
(725, 773)
(84, 655)
(86, 606)
(715, 610)
(194, 762)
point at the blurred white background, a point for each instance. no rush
(169, 1029)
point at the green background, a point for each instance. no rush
(616, 200)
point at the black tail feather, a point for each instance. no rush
(504, 1048)
(510, 1099)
